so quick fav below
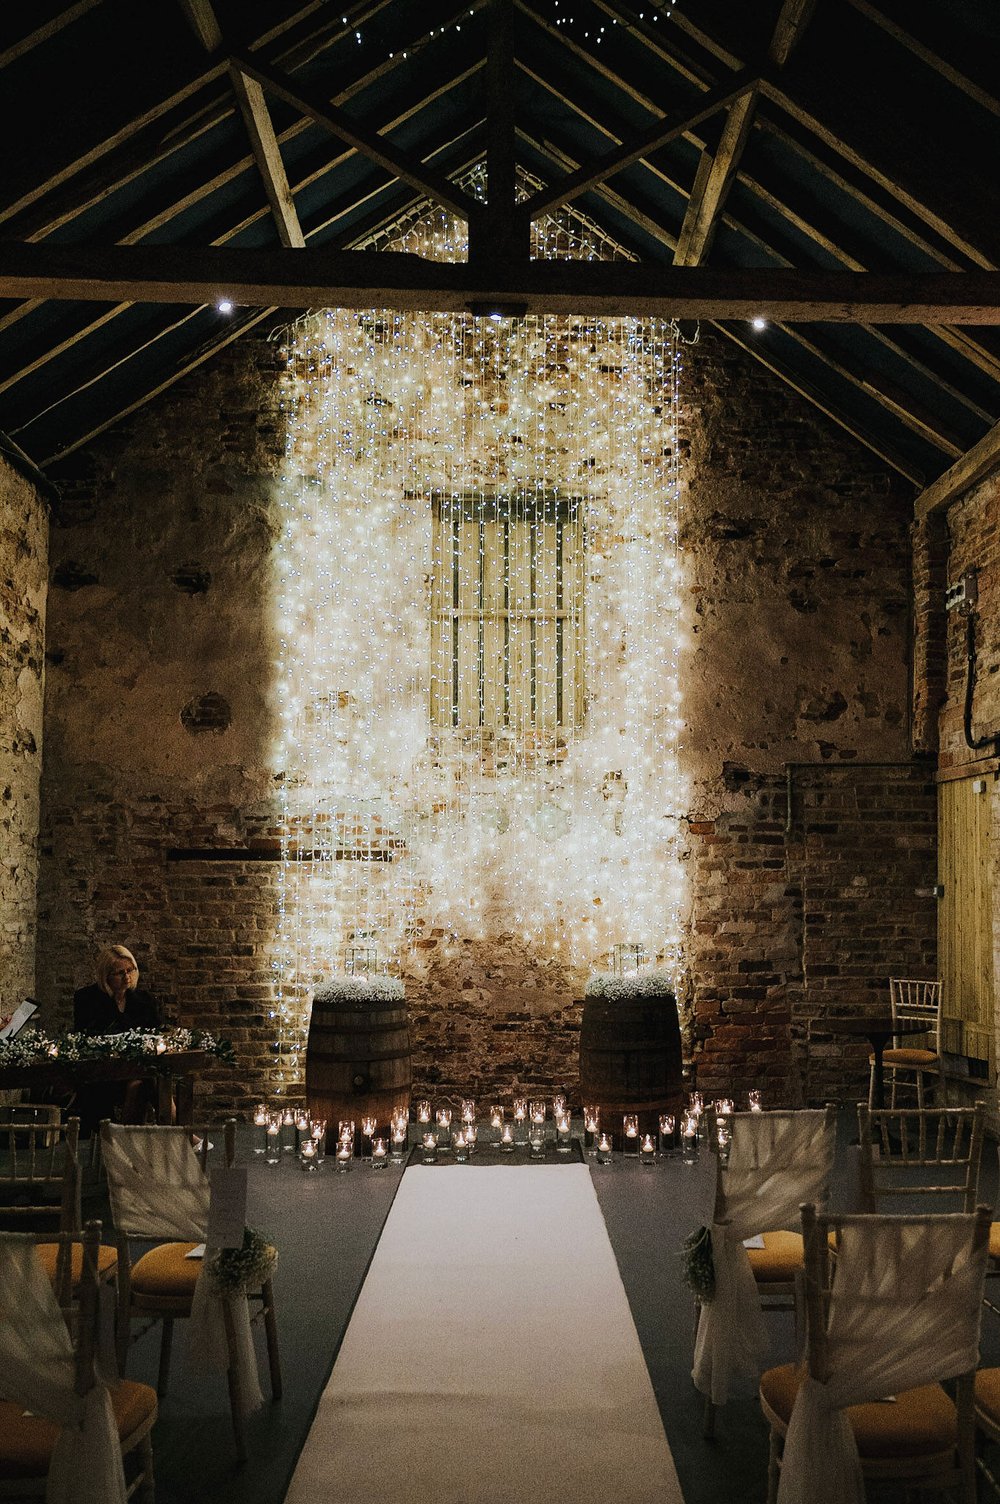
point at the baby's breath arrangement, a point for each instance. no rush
(698, 1271)
(345, 988)
(246, 1267)
(647, 981)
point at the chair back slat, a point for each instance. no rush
(921, 1152)
(917, 999)
(39, 1167)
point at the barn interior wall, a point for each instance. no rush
(811, 823)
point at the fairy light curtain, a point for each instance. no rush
(478, 626)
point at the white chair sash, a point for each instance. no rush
(158, 1189)
(777, 1160)
(39, 1372)
(904, 1311)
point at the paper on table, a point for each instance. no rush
(227, 1212)
(197, 1252)
(757, 1241)
(18, 1018)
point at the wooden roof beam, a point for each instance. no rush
(496, 231)
(370, 143)
(314, 277)
(258, 124)
(975, 465)
(717, 170)
(926, 55)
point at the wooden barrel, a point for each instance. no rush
(630, 1059)
(358, 1059)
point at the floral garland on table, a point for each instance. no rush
(698, 1271)
(648, 981)
(32, 1046)
(385, 989)
(246, 1267)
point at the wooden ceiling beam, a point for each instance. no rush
(257, 123)
(497, 231)
(653, 136)
(927, 55)
(370, 143)
(314, 276)
(976, 465)
(717, 170)
(44, 32)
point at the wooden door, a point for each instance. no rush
(965, 923)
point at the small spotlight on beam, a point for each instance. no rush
(759, 323)
(224, 305)
(481, 309)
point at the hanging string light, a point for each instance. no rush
(478, 622)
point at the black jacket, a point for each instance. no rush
(94, 1012)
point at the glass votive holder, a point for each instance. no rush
(423, 1112)
(471, 1137)
(630, 1133)
(591, 1126)
(460, 1144)
(368, 1126)
(755, 1101)
(288, 1133)
(647, 1149)
(273, 1146)
(724, 1107)
(564, 1133)
(442, 1119)
(724, 1137)
(558, 1104)
(380, 1154)
(261, 1118)
(602, 1149)
(496, 1122)
(468, 1110)
(689, 1139)
(520, 1120)
(397, 1143)
(308, 1159)
(429, 1148)
(343, 1155)
(536, 1140)
(667, 1127)
(507, 1138)
(317, 1132)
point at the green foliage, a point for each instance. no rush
(246, 1267)
(31, 1046)
(698, 1271)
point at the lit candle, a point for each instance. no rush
(603, 1151)
(724, 1106)
(558, 1104)
(380, 1157)
(161, 1046)
(345, 1153)
(318, 1133)
(591, 1126)
(398, 1138)
(755, 1101)
(471, 1136)
(288, 1131)
(667, 1125)
(520, 1120)
(630, 1130)
(260, 1121)
(443, 1120)
(689, 1138)
(507, 1138)
(564, 1139)
(273, 1141)
(468, 1110)
(428, 1145)
(307, 1155)
(647, 1150)
(423, 1112)
(461, 1147)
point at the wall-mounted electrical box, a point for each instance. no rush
(964, 593)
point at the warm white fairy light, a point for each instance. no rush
(550, 811)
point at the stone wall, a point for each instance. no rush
(23, 575)
(160, 720)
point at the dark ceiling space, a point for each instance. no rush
(842, 136)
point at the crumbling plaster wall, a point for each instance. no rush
(23, 578)
(160, 717)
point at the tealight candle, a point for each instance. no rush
(724, 1107)
(468, 1110)
(398, 1140)
(471, 1136)
(647, 1150)
(558, 1104)
(689, 1138)
(507, 1138)
(591, 1126)
(317, 1132)
(520, 1120)
(307, 1155)
(161, 1046)
(668, 1124)
(755, 1101)
(602, 1153)
(273, 1141)
(496, 1122)
(288, 1131)
(380, 1157)
(428, 1147)
(345, 1153)
(461, 1147)
(260, 1122)
(630, 1133)
(564, 1140)
(423, 1112)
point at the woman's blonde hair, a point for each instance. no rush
(107, 958)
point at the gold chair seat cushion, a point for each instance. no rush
(26, 1441)
(920, 1422)
(164, 1278)
(107, 1260)
(915, 1059)
(988, 1394)
(779, 1260)
(995, 1240)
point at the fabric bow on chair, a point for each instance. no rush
(895, 1313)
(160, 1192)
(776, 1161)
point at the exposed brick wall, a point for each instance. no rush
(796, 547)
(23, 573)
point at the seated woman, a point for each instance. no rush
(111, 1005)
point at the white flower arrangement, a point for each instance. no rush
(349, 988)
(647, 981)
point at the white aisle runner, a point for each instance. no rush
(491, 1357)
